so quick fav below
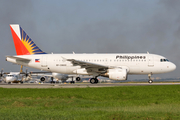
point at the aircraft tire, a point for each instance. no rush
(92, 80)
(150, 81)
(96, 80)
(72, 82)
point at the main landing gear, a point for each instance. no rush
(94, 80)
(150, 80)
(72, 81)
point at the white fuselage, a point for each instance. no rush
(134, 63)
(11, 78)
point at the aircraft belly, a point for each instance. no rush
(70, 69)
(154, 70)
(59, 69)
(63, 69)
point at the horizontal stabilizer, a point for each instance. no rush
(18, 58)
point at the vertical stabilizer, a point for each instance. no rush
(23, 43)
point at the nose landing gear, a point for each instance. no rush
(150, 80)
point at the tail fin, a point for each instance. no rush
(23, 43)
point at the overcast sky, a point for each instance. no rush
(94, 26)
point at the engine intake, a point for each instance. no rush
(42, 78)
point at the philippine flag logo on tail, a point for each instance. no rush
(37, 60)
(23, 43)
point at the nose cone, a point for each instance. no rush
(172, 66)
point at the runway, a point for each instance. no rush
(77, 85)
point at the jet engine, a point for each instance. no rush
(78, 78)
(117, 74)
(43, 79)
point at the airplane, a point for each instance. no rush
(116, 66)
(26, 76)
(15, 77)
(56, 77)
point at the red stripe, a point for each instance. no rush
(19, 46)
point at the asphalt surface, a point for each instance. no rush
(76, 85)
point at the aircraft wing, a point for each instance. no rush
(89, 65)
(40, 74)
(86, 65)
(45, 75)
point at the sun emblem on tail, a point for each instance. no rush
(29, 44)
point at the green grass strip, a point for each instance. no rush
(109, 103)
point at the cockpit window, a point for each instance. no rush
(164, 60)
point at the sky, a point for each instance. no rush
(94, 26)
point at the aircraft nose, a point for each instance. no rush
(172, 67)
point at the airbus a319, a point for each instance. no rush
(115, 66)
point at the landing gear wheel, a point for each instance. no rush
(21, 82)
(72, 82)
(150, 81)
(96, 80)
(93, 80)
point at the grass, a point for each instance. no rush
(112, 103)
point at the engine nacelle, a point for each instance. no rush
(118, 74)
(43, 79)
(78, 78)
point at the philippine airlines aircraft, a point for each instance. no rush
(115, 66)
